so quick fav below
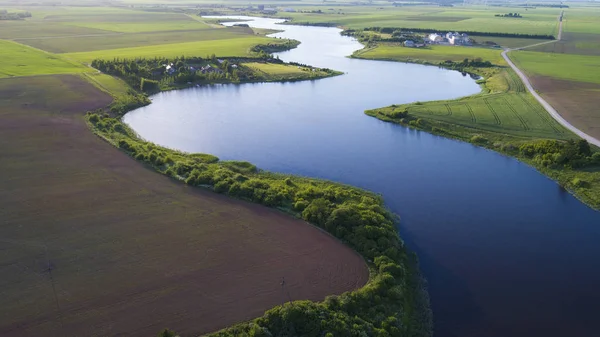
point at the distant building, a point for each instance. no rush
(409, 43)
(170, 69)
(289, 10)
(435, 38)
(261, 7)
(458, 39)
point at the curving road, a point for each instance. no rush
(542, 101)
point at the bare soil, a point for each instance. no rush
(92, 243)
(577, 102)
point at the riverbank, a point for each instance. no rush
(506, 119)
(394, 299)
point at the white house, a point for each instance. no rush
(435, 38)
(457, 39)
(409, 43)
(170, 69)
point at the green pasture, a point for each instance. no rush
(508, 109)
(138, 27)
(434, 54)
(20, 60)
(109, 84)
(118, 40)
(581, 68)
(473, 18)
(224, 48)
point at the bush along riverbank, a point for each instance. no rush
(572, 163)
(393, 303)
(161, 74)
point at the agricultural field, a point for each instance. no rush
(120, 40)
(223, 48)
(472, 18)
(283, 72)
(89, 236)
(20, 60)
(570, 83)
(506, 109)
(432, 54)
(580, 68)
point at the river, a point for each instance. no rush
(505, 250)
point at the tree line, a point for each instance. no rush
(5, 15)
(390, 30)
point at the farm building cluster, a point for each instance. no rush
(170, 68)
(455, 39)
(450, 39)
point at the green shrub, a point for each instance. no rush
(94, 118)
(579, 183)
(479, 139)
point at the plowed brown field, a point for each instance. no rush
(94, 244)
(577, 102)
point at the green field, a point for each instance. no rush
(504, 108)
(581, 68)
(283, 72)
(117, 40)
(20, 60)
(473, 18)
(224, 48)
(127, 27)
(434, 54)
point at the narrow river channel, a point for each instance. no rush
(505, 250)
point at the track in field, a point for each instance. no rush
(519, 117)
(543, 116)
(491, 108)
(473, 119)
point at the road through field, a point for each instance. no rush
(542, 101)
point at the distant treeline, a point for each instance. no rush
(5, 15)
(275, 47)
(390, 30)
(150, 75)
(543, 5)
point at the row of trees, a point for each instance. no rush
(149, 75)
(5, 15)
(390, 30)
(387, 306)
(509, 15)
(557, 154)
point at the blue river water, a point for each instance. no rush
(505, 250)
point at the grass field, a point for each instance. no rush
(20, 60)
(95, 244)
(435, 53)
(507, 109)
(581, 68)
(224, 48)
(117, 40)
(473, 18)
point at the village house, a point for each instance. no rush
(210, 69)
(170, 68)
(409, 43)
(457, 38)
(435, 38)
